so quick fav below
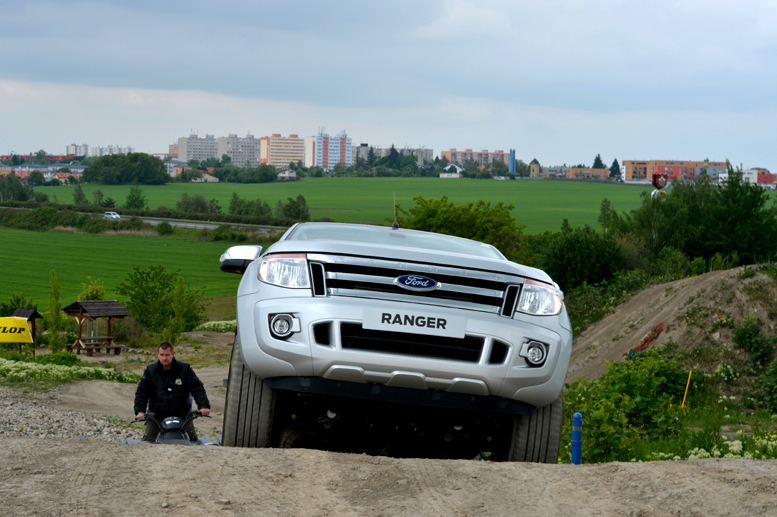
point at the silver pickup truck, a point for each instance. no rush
(404, 320)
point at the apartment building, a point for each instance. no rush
(327, 151)
(422, 154)
(172, 150)
(584, 173)
(280, 150)
(483, 158)
(195, 148)
(242, 150)
(78, 150)
(674, 169)
(112, 149)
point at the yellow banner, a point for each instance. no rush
(14, 330)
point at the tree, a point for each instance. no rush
(579, 256)
(606, 214)
(479, 221)
(97, 197)
(117, 169)
(17, 301)
(12, 189)
(598, 163)
(108, 202)
(135, 199)
(615, 169)
(79, 198)
(194, 164)
(499, 168)
(294, 209)
(35, 179)
(214, 207)
(225, 159)
(150, 292)
(95, 290)
(54, 317)
(173, 331)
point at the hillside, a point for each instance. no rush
(696, 313)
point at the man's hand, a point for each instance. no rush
(140, 416)
(205, 411)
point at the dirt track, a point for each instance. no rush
(84, 477)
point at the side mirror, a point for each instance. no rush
(237, 258)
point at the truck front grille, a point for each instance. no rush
(363, 277)
(354, 337)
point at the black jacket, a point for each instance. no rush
(166, 392)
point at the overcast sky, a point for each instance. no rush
(557, 80)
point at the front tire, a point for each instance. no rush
(537, 437)
(249, 406)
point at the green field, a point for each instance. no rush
(27, 258)
(539, 204)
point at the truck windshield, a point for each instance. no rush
(387, 237)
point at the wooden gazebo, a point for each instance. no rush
(30, 315)
(86, 310)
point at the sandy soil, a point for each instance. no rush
(80, 477)
(86, 477)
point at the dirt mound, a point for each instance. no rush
(693, 312)
(87, 477)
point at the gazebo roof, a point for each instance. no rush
(97, 309)
(29, 314)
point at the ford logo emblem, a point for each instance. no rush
(417, 283)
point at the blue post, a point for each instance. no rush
(577, 438)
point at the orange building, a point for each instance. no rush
(674, 169)
(584, 173)
(280, 151)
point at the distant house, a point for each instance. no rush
(206, 178)
(287, 175)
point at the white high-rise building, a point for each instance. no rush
(328, 151)
(196, 148)
(78, 150)
(241, 150)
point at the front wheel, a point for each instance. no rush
(537, 437)
(249, 407)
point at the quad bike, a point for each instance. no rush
(170, 431)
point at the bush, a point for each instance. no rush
(151, 291)
(165, 228)
(224, 233)
(632, 401)
(578, 256)
(16, 301)
(63, 358)
(671, 264)
(589, 303)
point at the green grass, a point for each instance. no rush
(539, 204)
(27, 258)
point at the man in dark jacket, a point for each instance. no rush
(165, 389)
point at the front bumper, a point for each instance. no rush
(305, 354)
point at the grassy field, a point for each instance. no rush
(539, 204)
(27, 258)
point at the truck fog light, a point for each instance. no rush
(281, 325)
(535, 353)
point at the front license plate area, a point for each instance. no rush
(414, 322)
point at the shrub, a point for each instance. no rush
(165, 228)
(633, 400)
(579, 256)
(151, 291)
(589, 303)
(63, 358)
(16, 301)
(671, 264)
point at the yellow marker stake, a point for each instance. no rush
(14, 330)
(686, 387)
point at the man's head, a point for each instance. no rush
(166, 354)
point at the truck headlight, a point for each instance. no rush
(539, 298)
(285, 270)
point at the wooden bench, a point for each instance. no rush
(100, 342)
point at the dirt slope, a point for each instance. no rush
(687, 308)
(84, 477)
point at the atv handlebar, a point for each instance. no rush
(152, 417)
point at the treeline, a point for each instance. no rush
(116, 169)
(166, 213)
(295, 209)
